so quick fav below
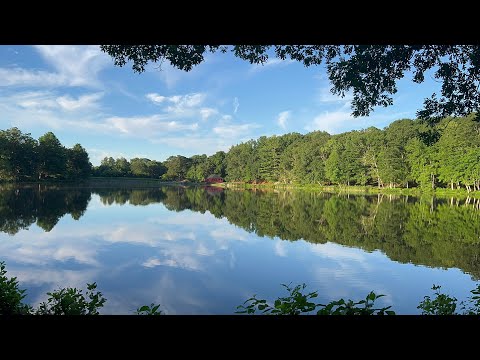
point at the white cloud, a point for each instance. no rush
(74, 66)
(152, 262)
(234, 131)
(184, 103)
(83, 102)
(18, 76)
(205, 113)
(97, 155)
(195, 143)
(156, 98)
(180, 103)
(79, 64)
(228, 233)
(236, 105)
(336, 252)
(43, 100)
(332, 122)
(279, 248)
(147, 126)
(341, 120)
(270, 63)
(33, 109)
(33, 100)
(282, 119)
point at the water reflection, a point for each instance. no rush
(177, 246)
(20, 207)
(426, 231)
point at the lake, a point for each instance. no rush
(206, 250)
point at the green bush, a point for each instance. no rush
(149, 310)
(443, 304)
(10, 295)
(71, 301)
(297, 303)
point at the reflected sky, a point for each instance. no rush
(195, 263)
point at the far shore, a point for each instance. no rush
(96, 182)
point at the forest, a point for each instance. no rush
(407, 153)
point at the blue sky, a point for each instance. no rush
(77, 93)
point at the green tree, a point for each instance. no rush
(216, 163)
(370, 72)
(18, 155)
(177, 167)
(78, 164)
(52, 157)
(241, 162)
(122, 167)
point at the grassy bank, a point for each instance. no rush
(441, 192)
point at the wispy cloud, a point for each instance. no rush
(18, 76)
(269, 64)
(279, 248)
(341, 120)
(326, 96)
(206, 113)
(97, 155)
(234, 131)
(88, 101)
(73, 65)
(282, 119)
(147, 125)
(331, 122)
(158, 99)
(236, 105)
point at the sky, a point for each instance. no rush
(77, 93)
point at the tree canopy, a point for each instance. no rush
(370, 72)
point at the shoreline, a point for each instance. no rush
(337, 189)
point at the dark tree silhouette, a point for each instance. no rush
(371, 72)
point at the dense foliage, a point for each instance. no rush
(22, 158)
(407, 153)
(370, 72)
(404, 154)
(297, 303)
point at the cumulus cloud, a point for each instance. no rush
(282, 119)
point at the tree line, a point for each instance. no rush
(407, 153)
(23, 158)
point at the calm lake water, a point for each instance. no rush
(205, 251)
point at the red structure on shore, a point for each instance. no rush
(214, 179)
